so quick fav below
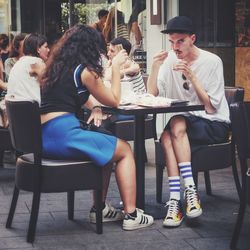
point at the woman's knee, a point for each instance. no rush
(122, 150)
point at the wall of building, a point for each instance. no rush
(242, 69)
(156, 41)
(242, 50)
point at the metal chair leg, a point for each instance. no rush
(145, 155)
(1, 158)
(159, 181)
(242, 208)
(71, 200)
(237, 228)
(195, 177)
(33, 217)
(207, 182)
(12, 207)
(98, 203)
(235, 171)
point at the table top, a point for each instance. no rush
(141, 110)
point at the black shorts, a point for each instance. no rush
(202, 131)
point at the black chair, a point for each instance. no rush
(240, 116)
(5, 143)
(39, 175)
(205, 157)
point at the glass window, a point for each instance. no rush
(4, 16)
(214, 23)
(213, 20)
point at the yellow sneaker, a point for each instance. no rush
(193, 204)
(174, 215)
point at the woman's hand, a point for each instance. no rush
(96, 116)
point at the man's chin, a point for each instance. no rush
(179, 55)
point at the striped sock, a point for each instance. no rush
(174, 187)
(186, 173)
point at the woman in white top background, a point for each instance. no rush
(23, 82)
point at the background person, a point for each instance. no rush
(73, 72)
(102, 16)
(189, 73)
(4, 53)
(15, 53)
(23, 82)
(131, 81)
(109, 27)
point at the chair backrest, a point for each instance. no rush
(240, 117)
(234, 94)
(25, 126)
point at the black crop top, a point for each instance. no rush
(67, 95)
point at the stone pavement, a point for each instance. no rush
(212, 231)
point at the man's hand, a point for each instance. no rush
(185, 69)
(159, 58)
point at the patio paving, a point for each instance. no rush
(213, 230)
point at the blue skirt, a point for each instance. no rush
(63, 138)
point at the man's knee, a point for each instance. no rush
(166, 140)
(178, 127)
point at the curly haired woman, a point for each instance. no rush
(74, 72)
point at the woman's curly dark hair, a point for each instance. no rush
(78, 45)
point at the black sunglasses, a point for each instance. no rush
(185, 84)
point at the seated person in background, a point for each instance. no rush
(188, 73)
(23, 82)
(3, 115)
(4, 53)
(131, 80)
(15, 53)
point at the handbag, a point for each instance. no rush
(91, 127)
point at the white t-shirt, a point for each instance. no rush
(208, 69)
(21, 85)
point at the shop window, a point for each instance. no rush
(213, 21)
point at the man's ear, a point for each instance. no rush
(193, 37)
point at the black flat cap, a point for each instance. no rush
(179, 24)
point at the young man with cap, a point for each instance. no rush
(188, 73)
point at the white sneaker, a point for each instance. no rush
(109, 213)
(140, 221)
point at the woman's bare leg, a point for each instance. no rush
(125, 175)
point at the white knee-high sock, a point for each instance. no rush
(186, 173)
(174, 187)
